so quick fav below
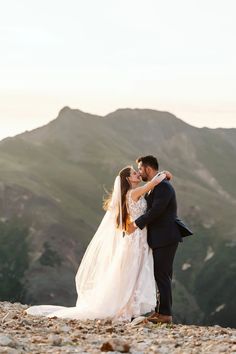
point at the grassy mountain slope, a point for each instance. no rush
(53, 179)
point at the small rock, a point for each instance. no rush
(145, 330)
(65, 328)
(7, 350)
(9, 316)
(54, 340)
(223, 348)
(138, 320)
(6, 341)
(110, 330)
(115, 345)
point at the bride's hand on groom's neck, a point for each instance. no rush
(168, 175)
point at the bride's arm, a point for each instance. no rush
(138, 192)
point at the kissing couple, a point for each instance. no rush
(130, 258)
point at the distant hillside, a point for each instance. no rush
(52, 183)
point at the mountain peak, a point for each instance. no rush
(64, 110)
(68, 111)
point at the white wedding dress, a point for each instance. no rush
(115, 279)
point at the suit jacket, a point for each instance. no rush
(161, 216)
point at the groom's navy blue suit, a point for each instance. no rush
(163, 236)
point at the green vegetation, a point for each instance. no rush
(14, 260)
(49, 256)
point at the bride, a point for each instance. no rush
(115, 279)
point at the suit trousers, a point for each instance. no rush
(163, 270)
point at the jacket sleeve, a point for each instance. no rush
(161, 198)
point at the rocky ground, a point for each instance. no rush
(22, 333)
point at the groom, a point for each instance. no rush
(163, 235)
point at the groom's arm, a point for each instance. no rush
(161, 197)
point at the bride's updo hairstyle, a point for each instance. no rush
(125, 186)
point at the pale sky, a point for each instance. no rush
(101, 55)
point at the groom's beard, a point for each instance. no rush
(144, 179)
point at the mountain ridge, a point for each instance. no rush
(66, 109)
(53, 177)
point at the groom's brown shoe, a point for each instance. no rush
(153, 317)
(159, 318)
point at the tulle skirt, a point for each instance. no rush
(115, 279)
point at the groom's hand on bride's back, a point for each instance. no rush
(130, 228)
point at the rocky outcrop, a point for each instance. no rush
(22, 333)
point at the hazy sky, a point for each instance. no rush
(102, 55)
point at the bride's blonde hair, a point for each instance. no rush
(125, 186)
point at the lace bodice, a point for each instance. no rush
(135, 209)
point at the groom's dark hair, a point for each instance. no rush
(149, 161)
